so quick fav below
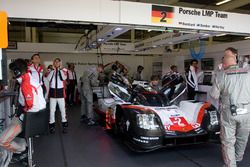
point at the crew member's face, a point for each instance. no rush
(57, 63)
(155, 82)
(140, 70)
(125, 71)
(195, 64)
(100, 69)
(246, 59)
(36, 59)
(50, 67)
(72, 66)
(229, 56)
(175, 69)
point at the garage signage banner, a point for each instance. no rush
(128, 13)
(200, 19)
(3, 30)
(184, 17)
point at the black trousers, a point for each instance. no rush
(191, 93)
(70, 93)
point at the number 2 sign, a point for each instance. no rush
(179, 121)
(162, 14)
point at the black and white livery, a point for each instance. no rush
(148, 120)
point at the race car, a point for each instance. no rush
(147, 119)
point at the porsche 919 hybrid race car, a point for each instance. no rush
(148, 120)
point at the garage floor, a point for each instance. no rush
(85, 146)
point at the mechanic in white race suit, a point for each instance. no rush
(231, 85)
(89, 80)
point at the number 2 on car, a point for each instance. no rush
(179, 121)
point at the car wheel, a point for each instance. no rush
(121, 126)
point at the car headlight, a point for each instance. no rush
(147, 121)
(213, 118)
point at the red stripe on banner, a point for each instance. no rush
(160, 14)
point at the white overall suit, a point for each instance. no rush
(232, 86)
(88, 80)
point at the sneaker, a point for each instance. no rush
(84, 119)
(91, 123)
(65, 124)
(25, 162)
(20, 157)
(239, 162)
(64, 127)
(52, 129)
(64, 130)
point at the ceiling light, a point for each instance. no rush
(100, 40)
(205, 35)
(118, 29)
(247, 38)
(222, 2)
(220, 35)
(151, 28)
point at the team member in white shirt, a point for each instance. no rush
(57, 79)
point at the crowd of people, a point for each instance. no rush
(56, 85)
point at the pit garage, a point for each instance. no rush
(153, 34)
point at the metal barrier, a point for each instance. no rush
(6, 111)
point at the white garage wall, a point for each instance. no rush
(213, 51)
(82, 61)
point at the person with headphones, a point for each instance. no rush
(30, 100)
(231, 85)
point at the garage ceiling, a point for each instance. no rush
(71, 33)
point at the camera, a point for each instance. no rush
(233, 109)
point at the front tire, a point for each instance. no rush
(121, 126)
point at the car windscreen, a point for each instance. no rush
(119, 93)
(151, 99)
